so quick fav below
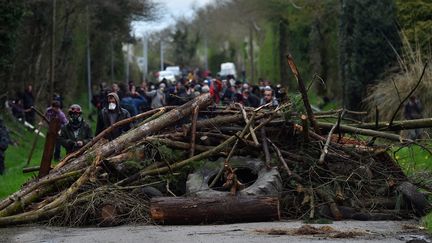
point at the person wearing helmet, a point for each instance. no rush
(77, 132)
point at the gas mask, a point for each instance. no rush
(112, 106)
(75, 119)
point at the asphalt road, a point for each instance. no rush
(352, 231)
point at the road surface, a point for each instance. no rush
(353, 231)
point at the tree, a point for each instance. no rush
(367, 35)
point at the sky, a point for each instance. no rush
(170, 9)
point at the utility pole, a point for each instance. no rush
(52, 62)
(112, 58)
(145, 57)
(89, 81)
(127, 63)
(205, 52)
(161, 55)
(251, 54)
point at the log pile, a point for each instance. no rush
(325, 172)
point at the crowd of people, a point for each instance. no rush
(136, 99)
(120, 101)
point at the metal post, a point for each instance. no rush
(145, 57)
(205, 53)
(89, 81)
(127, 64)
(161, 56)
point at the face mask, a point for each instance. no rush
(112, 106)
(75, 120)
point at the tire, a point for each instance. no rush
(268, 182)
(147, 192)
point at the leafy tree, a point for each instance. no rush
(415, 18)
(367, 35)
(11, 14)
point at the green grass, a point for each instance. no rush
(16, 156)
(413, 159)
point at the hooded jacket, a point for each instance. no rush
(107, 118)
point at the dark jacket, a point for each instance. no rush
(103, 121)
(68, 139)
(4, 137)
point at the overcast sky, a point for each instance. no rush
(170, 9)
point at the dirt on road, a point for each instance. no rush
(285, 231)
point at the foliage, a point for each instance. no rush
(184, 46)
(11, 14)
(368, 33)
(16, 156)
(106, 22)
(415, 19)
(389, 92)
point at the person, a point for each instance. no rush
(157, 97)
(268, 97)
(76, 133)
(28, 103)
(413, 110)
(110, 115)
(52, 112)
(249, 99)
(4, 143)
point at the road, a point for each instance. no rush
(371, 231)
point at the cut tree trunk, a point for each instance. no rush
(180, 210)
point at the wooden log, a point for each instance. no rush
(31, 169)
(54, 127)
(396, 126)
(305, 130)
(362, 131)
(181, 210)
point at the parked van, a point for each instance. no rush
(174, 69)
(228, 68)
(167, 75)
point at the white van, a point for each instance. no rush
(228, 68)
(174, 69)
(167, 75)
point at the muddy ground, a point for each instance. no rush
(286, 231)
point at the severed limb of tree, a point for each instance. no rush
(189, 210)
(303, 92)
(178, 144)
(254, 137)
(265, 148)
(118, 144)
(305, 130)
(49, 185)
(337, 215)
(397, 125)
(409, 95)
(105, 132)
(366, 132)
(226, 162)
(206, 154)
(193, 131)
(281, 158)
(53, 207)
(327, 143)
